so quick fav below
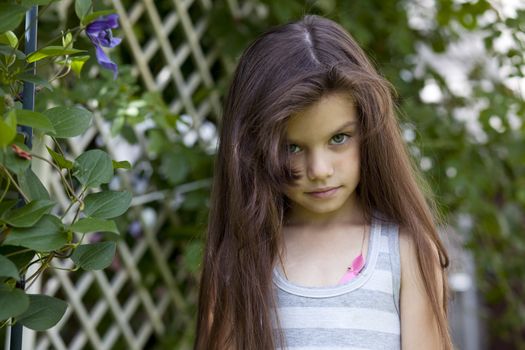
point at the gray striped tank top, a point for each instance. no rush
(361, 314)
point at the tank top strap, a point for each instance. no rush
(390, 246)
(395, 261)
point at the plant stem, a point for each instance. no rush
(67, 210)
(81, 239)
(81, 206)
(58, 145)
(64, 180)
(41, 269)
(60, 76)
(65, 268)
(61, 151)
(77, 28)
(41, 257)
(18, 252)
(6, 189)
(26, 199)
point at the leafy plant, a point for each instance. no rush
(33, 228)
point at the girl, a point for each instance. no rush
(319, 235)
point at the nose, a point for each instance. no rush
(319, 166)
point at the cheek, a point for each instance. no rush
(348, 156)
(350, 163)
(290, 188)
(290, 192)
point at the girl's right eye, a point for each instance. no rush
(293, 148)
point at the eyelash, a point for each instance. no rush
(337, 144)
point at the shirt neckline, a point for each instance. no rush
(329, 291)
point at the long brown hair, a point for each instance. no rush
(282, 72)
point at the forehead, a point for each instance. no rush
(320, 120)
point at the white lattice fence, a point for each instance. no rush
(122, 307)
(173, 54)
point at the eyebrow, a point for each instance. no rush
(338, 130)
(344, 126)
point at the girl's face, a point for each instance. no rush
(323, 144)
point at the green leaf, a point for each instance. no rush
(8, 268)
(77, 63)
(106, 204)
(67, 40)
(96, 256)
(9, 38)
(83, 8)
(43, 312)
(59, 159)
(11, 16)
(29, 214)
(31, 185)
(51, 51)
(193, 255)
(34, 119)
(5, 205)
(68, 121)
(121, 165)
(35, 79)
(7, 128)
(174, 167)
(36, 2)
(194, 200)
(8, 51)
(15, 163)
(20, 256)
(91, 17)
(46, 235)
(88, 224)
(12, 303)
(93, 168)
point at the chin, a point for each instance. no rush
(324, 209)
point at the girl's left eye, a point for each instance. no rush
(340, 138)
(293, 148)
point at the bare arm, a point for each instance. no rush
(419, 328)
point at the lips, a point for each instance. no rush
(322, 190)
(324, 193)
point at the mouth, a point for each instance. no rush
(323, 192)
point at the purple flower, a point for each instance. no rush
(99, 32)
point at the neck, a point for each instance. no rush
(349, 215)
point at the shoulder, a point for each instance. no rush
(418, 324)
(410, 269)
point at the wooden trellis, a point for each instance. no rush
(173, 57)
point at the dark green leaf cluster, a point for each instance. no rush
(33, 228)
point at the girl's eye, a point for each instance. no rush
(340, 138)
(293, 148)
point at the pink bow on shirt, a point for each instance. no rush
(353, 270)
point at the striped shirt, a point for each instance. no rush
(360, 314)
